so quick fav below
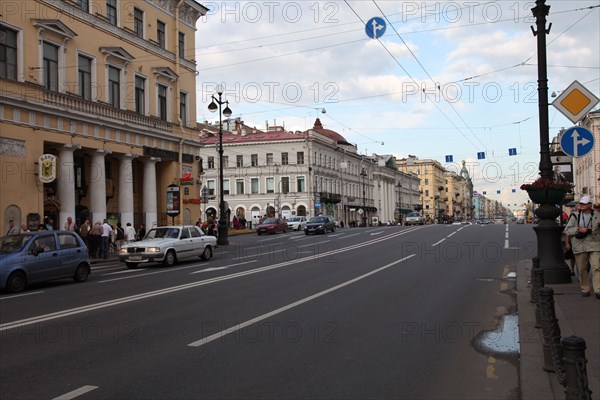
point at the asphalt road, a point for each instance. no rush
(422, 312)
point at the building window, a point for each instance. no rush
(50, 66)
(239, 186)
(8, 53)
(211, 187)
(269, 158)
(114, 86)
(162, 102)
(84, 65)
(270, 185)
(160, 34)
(226, 186)
(225, 161)
(140, 95)
(300, 158)
(181, 45)
(254, 160)
(138, 22)
(285, 185)
(183, 108)
(111, 11)
(239, 161)
(254, 185)
(301, 184)
(211, 163)
(284, 158)
(83, 5)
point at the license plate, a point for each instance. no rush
(135, 258)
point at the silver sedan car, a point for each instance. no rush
(168, 245)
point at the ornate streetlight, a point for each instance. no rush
(212, 107)
(363, 174)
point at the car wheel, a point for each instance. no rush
(16, 282)
(206, 254)
(81, 273)
(258, 233)
(333, 229)
(306, 233)
(170, 259)
(131, 265)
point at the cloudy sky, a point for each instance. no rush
(446, 78)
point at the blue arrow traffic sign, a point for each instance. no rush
(375, 27)
(449, 158)
(577, 141)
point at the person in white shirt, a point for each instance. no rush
(129, 232)
(106, 232)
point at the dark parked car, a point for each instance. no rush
(272, 226)
(320, 224)
(41, 256)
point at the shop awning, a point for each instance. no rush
(405, 211)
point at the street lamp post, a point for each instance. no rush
(400, 202)
(215, 105)
(548, 231)
(363, 174)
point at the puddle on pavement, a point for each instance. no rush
(503, 342)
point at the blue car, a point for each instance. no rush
(41, 256)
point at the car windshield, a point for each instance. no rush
(270, 221)
(414, 215)
(163, 233)
(295, 219)
(319, 220)
(13, 243)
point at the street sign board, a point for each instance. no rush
(317, 204)
(173, 200)
(577, 141)
(575, 101)
(375, 27)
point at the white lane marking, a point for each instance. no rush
(76, 393)
(354, 234)
(222, 268)
(110, 303)
(438, 242)
(452, 234)
(506, 244)
(506, 238)
(376, 233)
(127, 271)
(148, 273)
(243, 325)
(20, 295)
(313, 244)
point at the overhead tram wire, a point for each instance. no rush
(435, 85)
(350, 31)
(414, 81)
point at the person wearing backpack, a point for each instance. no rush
(584, 230)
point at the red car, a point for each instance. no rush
(272, 226)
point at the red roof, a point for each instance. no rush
(329, 133)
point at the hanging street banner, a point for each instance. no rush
(575, 101)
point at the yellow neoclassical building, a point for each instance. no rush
(97, 110)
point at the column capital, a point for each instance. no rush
(104, 151)
(71, 146)
(152, 159)
(128, 155)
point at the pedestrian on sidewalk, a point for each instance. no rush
(70, 225)
(129, 233)
(106, 235)
(584, 230)
(96, 240)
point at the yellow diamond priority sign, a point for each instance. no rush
(575, 101)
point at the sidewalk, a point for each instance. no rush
(577, 315)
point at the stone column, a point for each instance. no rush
(126, 189)
(98, 185)
(150, 194)
(66, 183)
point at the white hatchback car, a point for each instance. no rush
(297, 223)
(168, 245)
